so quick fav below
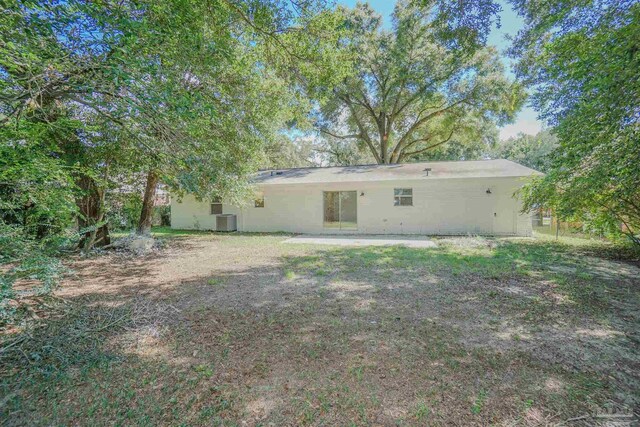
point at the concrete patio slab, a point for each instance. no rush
(408, 241)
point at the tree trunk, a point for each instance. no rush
(91, 207)
(146, 214)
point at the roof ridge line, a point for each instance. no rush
(380, 164)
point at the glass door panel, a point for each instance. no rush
(348, 210)
(331, 209)
(340, 209)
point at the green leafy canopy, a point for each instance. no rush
(583, 60)
(427, 82)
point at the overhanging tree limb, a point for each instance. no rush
(355, 135)
(430, 147)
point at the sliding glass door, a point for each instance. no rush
(341, 210)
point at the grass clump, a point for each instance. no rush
(421, 412)
(215, 281)
(479, 402)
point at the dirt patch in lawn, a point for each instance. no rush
(242, 329)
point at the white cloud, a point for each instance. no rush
(530, 127)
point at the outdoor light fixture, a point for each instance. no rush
(488, 191)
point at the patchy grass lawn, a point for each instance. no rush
(245, 330)
(164, 232)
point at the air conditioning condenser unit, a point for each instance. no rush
(226, 222)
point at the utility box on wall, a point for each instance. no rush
(226, 222)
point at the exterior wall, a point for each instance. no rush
(447, 206)
(190, 214)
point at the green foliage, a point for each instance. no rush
(93, 95)
(583, 60)
(533, 151)
(162, 215)
(417, 87)
(289, 152)
(124, 210)
(37, 205)
(36, 189)
(22, 257)
(196, 90)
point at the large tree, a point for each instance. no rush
(583, 60)
(426, 82)
(186, 92)
(534, 151)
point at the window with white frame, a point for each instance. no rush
(403, 197)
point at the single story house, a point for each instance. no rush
(433, 198)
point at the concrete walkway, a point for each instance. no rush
(408, 241)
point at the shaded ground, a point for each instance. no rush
(352, 241)
(245, 330)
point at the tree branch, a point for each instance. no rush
(266, 34)
(354, 135)
(397, 156)
(364, 135)
(97, 110)
(400, 145)
(422, 150)
(421, 90)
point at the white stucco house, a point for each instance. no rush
(433, 198)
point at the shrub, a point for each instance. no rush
(22, 257)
